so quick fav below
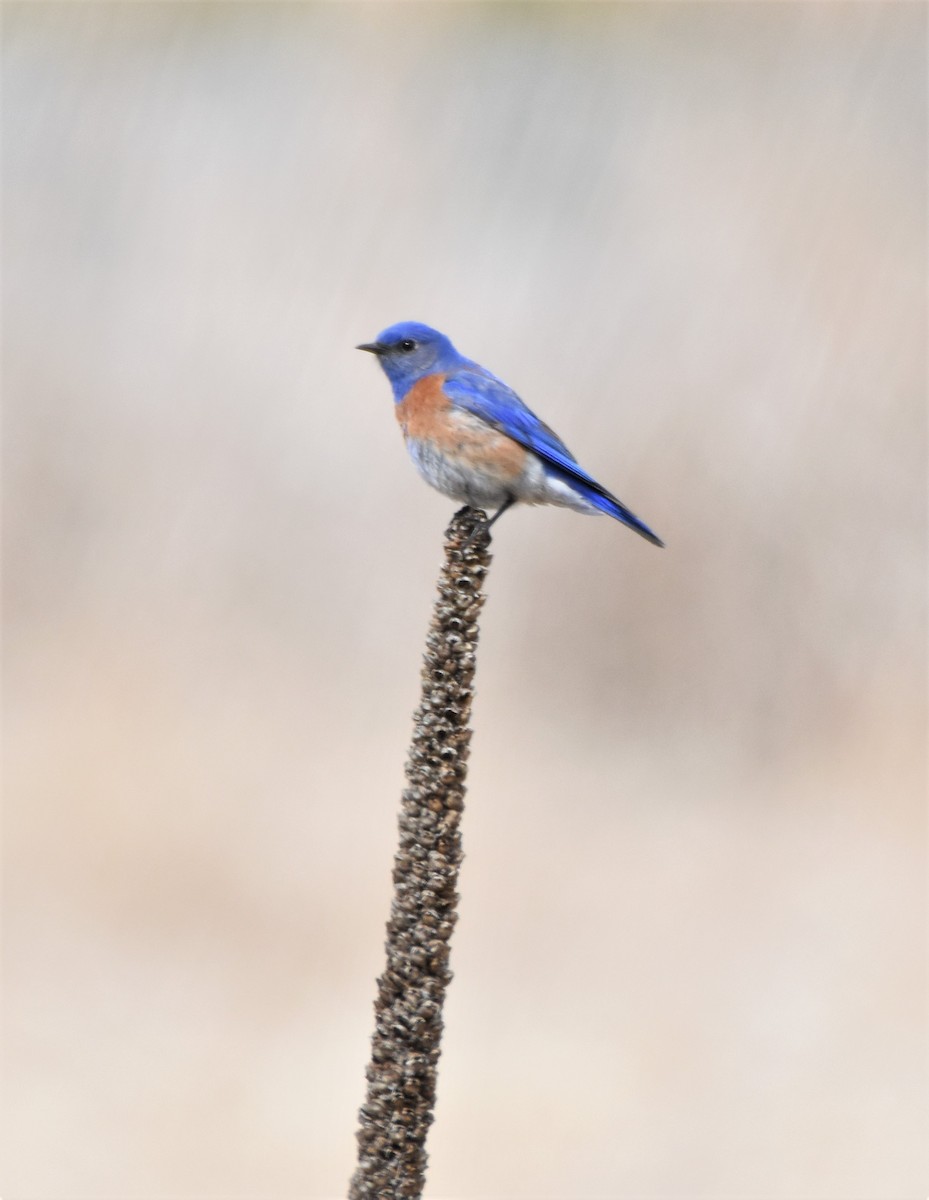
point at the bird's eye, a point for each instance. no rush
(407, 344)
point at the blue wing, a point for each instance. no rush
(490, 399)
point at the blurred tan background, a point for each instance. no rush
(691, 960)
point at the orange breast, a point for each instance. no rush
(423, 412)
(427, 415)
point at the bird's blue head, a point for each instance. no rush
(409, 351)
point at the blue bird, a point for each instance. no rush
(473, 439)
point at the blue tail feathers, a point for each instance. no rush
(615, 508)
(597, 495)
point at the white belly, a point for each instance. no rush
(484, 489)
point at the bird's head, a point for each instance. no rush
(409, 351)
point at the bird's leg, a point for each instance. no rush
(510, 500)
(484, 527)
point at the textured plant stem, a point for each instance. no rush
(398, 1109)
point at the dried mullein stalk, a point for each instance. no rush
(398, 1109)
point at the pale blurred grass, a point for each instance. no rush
(692, 954)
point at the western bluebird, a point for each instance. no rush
(472, 438)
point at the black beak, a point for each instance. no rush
(373, 347)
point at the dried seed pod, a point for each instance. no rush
(398, 1110)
